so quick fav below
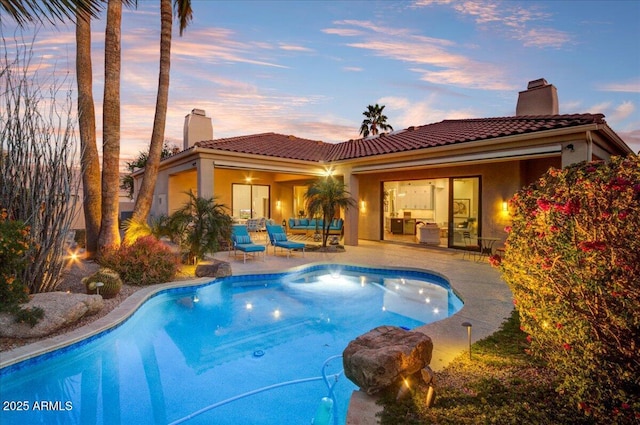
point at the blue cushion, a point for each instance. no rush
(304, 222)
(251, 248)
(243, 239)
(291, 244)
(279, 237)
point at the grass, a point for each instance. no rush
(500, 385)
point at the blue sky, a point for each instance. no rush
(310, 68)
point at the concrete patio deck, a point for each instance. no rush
(487, 301)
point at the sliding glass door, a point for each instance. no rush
(410, 204)
(464, 211)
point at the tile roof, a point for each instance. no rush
(272, 144)
(447, 132)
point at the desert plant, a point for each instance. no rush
(39, 177)
(572, 261)
(198, 227)
(111, 283)
(146, 261)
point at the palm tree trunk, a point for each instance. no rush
(109, 233)
(89, 161)
(145, 196)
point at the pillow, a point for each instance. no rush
(242, 239)
(296, 222)
(279, 237)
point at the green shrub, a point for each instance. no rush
(111, 283)
(198, 226)
(15, 244)
(144, 262)
(572, 261)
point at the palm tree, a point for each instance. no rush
(200, 224)
(109, 232)
(327, 195)
(24, 11)
(145, 196)
(374, 121)
(89, 161)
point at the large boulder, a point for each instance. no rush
(60, 309)
(383, 356)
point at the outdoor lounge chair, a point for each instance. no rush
(278, 239)
(242, 242)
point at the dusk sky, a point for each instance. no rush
(310, 68)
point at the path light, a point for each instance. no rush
(98, 286)
(404, 389)
(468, 326)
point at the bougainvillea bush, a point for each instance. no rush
(572, 261)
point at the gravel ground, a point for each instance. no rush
(72, 282)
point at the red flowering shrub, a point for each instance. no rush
(572, 261)
(15, 245)
(144, 262)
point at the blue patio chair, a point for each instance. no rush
(278, 239)
(242, 242)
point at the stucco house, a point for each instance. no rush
(455, 174)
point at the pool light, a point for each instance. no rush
(249, 306)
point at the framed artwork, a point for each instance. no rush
(461, 208)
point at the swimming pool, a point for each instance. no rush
(189, 349)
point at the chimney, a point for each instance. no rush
(197, 127)
(540, 98)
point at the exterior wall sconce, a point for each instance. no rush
(278, 205)
(505, 206)
(363, 206)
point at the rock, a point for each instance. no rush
(383, 356)
(60, 309)
(215, 269)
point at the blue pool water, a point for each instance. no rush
(187, 350)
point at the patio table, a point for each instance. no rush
(486, 246)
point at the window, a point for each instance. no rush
(250, 200)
